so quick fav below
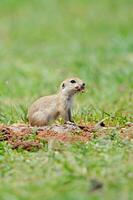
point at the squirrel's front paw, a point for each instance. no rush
(70, 122)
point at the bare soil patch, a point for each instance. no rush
(28, 137)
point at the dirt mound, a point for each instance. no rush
(28, 137)
(127, 131)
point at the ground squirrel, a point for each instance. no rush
(48, 108)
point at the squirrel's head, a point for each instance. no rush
(72, 86)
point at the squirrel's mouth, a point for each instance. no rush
(80, 89)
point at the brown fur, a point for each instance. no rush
(49, 108)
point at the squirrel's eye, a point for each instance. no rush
(73, 81)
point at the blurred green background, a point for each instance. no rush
(44, 42)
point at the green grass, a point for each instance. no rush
(42, 43)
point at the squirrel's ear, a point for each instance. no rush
(63, 85)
